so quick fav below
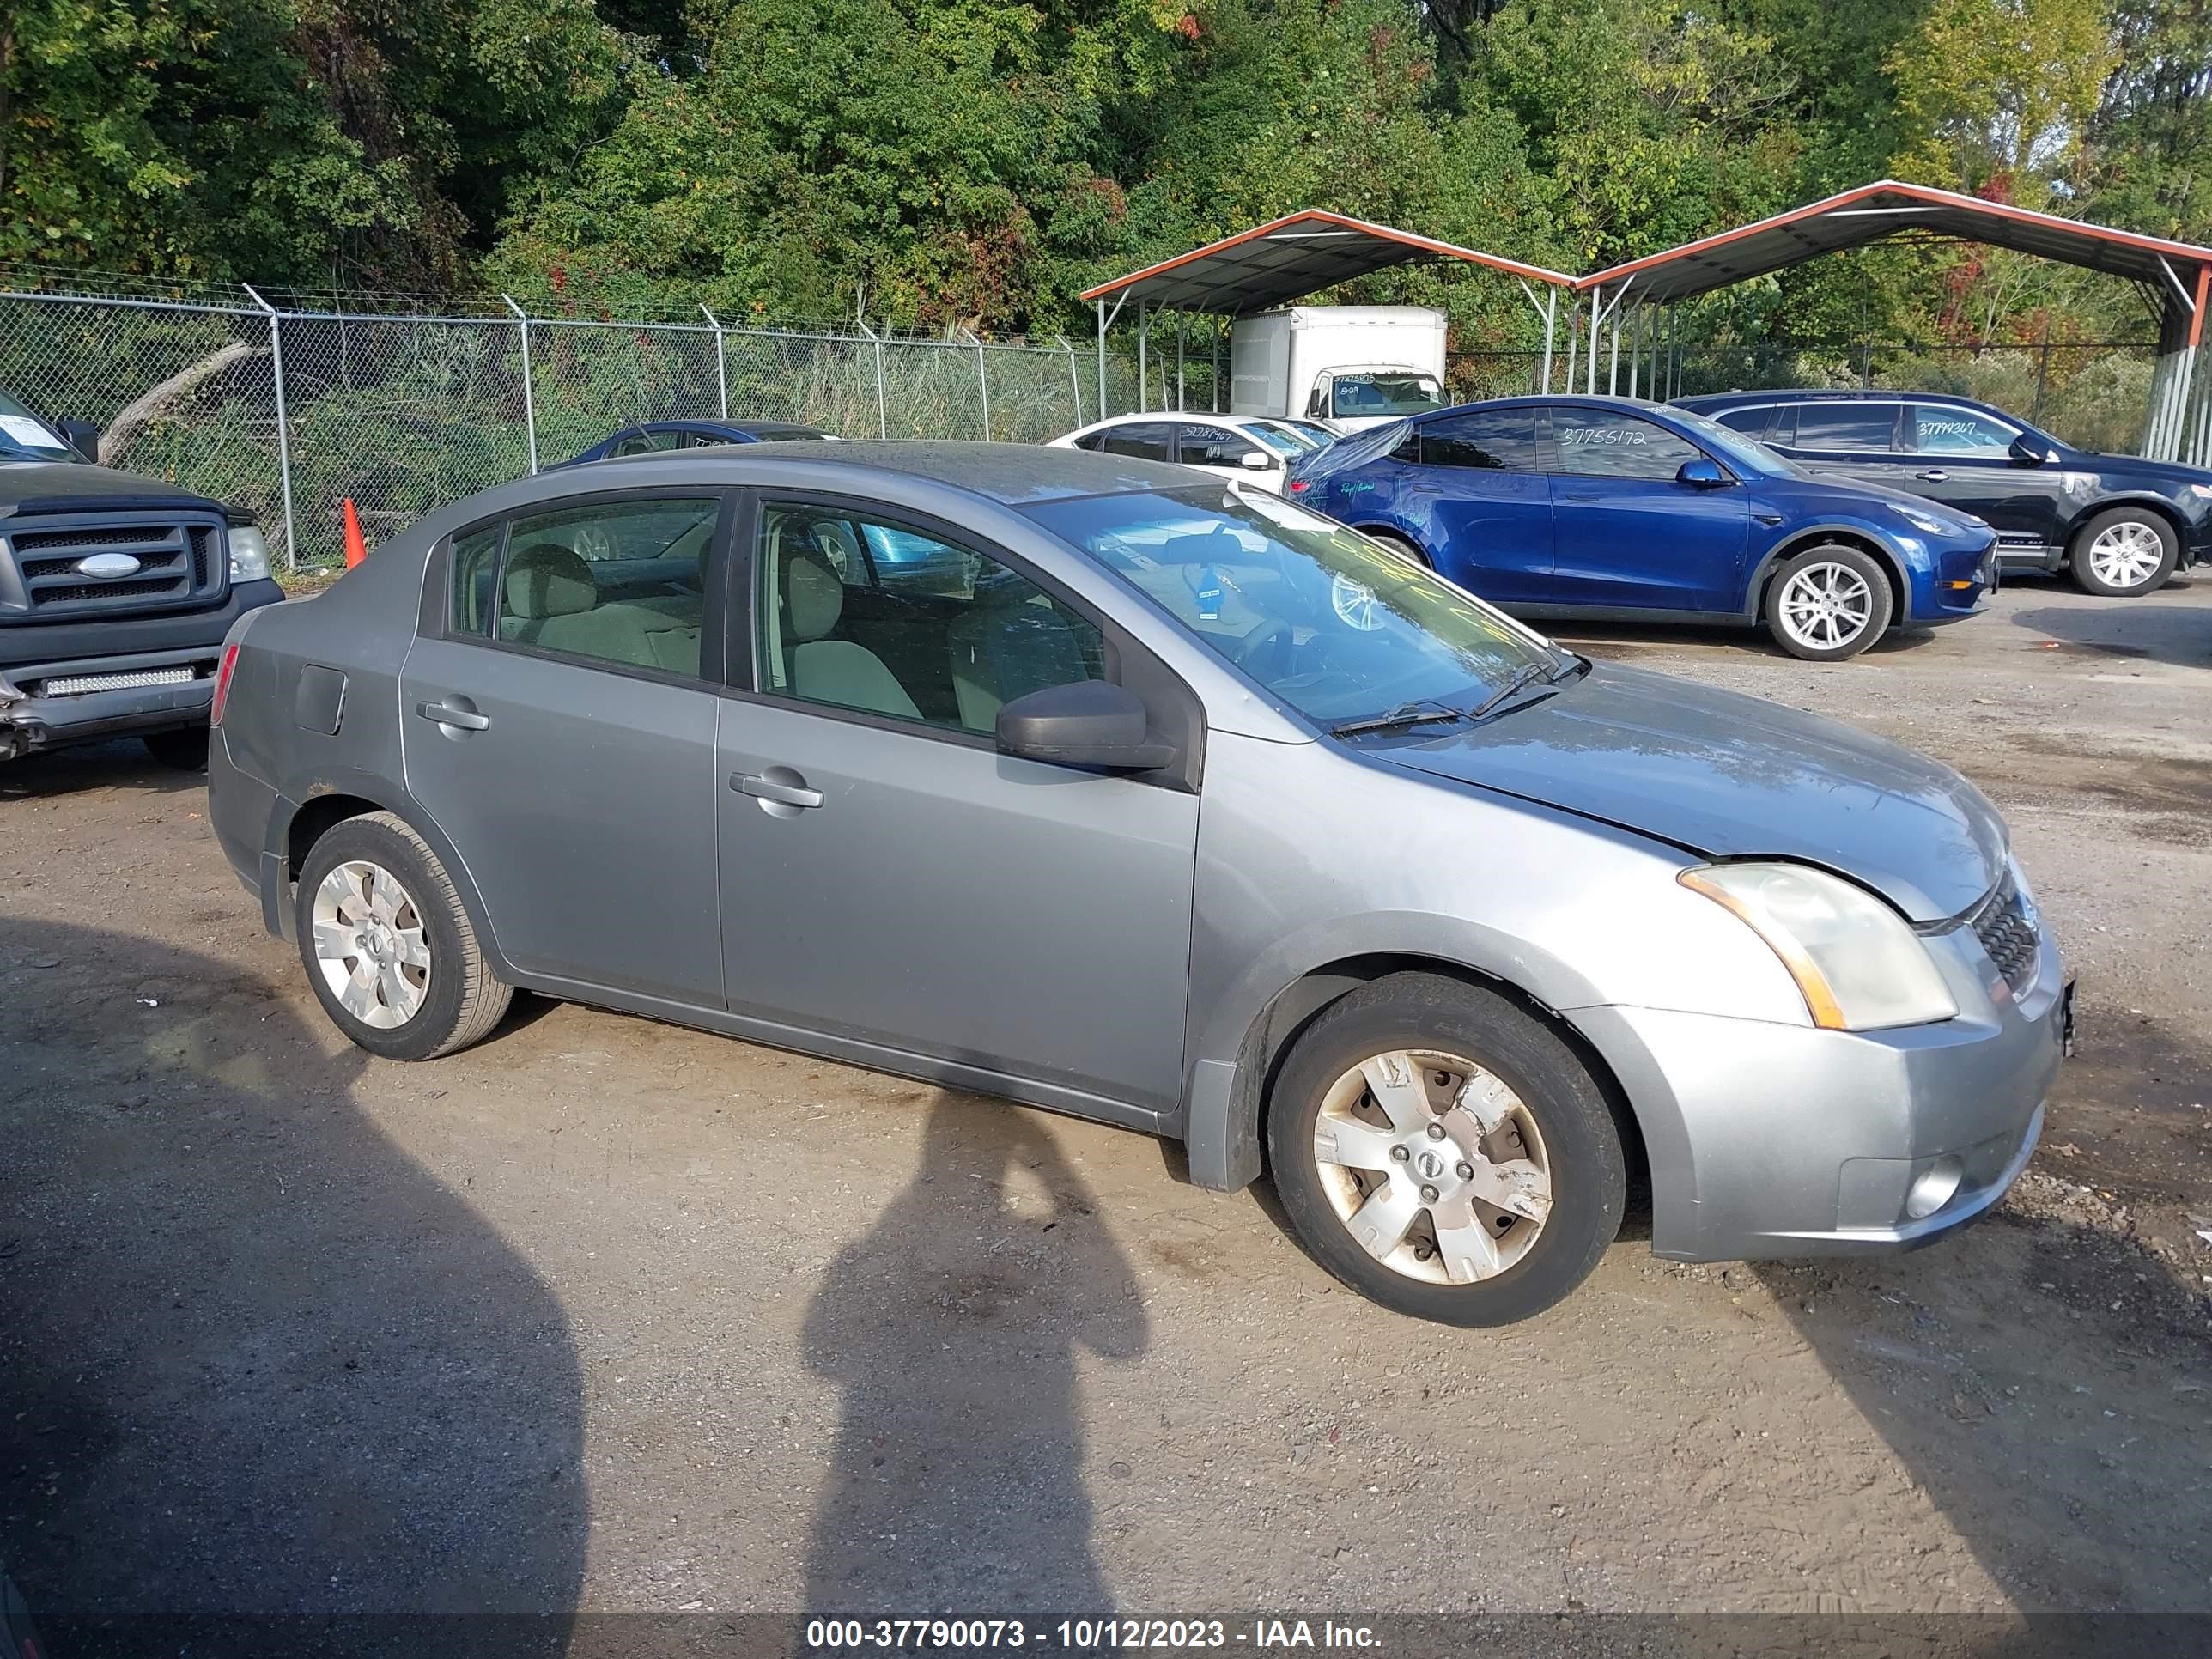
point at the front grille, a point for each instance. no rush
(181, 561)
(2001, 922)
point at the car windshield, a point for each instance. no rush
(1338, 627)
(1281, 440)
(23, 434)
(1387, 392)
(1744, 454)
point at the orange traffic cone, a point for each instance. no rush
(355, 549)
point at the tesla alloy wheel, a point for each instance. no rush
(389, 951)
(1828, 604)
(1444, 1152)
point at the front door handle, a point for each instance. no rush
(761, 787)
(1933, 474)
(446, 715)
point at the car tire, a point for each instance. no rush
(1358, 1150)
(1397, 544)
(1828, 603)
(417, 985)
(184, 748)
(2124, 552)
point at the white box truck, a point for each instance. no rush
(1351, 365)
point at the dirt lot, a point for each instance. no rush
(608, 1315)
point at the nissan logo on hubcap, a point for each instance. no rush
(107, 567)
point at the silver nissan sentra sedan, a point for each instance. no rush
(1104, 785)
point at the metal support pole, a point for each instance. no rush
(1101, 358)
(1074, 376)
(1180, 321)
(1590, 373)
(882, 414)
(1218, 333)
(529, 397)
(283, 426)
(1551, 319)
(982, 383)
(1144, 391)
(1635, 346)
(1613, 362)
(721, 369)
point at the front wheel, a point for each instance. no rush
(1444, 1152)
(389, 951)
(1828, 603)
(2124, 552)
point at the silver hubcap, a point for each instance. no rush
(1434, 1165)
(369, 945)
(1825, 606)
(2126, 554)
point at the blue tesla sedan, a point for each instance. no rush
(1608, 508)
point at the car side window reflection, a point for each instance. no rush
(1199, 445)
(619, 582)
(1598, 443)
(1860, 426)
(1503, 440)
(863, 613)
(1940, 431)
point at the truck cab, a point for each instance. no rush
(116, 591)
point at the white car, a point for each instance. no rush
(1257, 450)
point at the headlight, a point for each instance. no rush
(1859, 967)
(2202, 492)
(1927, 523)
(249, 554)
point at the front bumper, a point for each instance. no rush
(1776, 1141)
(31, 719)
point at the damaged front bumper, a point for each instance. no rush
(51, 704)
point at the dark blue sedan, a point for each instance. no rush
(1605, 507)
(648, 436)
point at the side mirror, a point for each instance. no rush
(1090, 723)
(1702, 474)
(2030, 452)
(1253, 461)
(83, 437)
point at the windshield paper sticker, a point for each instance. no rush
(29, 432)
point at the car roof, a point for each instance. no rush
(1010, 474)
(1822, 395)
(1549, 400)
(715, 423)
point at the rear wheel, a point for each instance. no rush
(1828, 603)
(389, 952)
(184, 748)
(1444, 1152)
(2124, 552)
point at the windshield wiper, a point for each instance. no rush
(1523, 677)
(1422, 711)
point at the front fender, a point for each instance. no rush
(1796, 537)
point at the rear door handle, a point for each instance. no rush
(1933, 474)
(446, 715)
(1577, 498)
(775, 789)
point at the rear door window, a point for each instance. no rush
(1859, 428)
(1604, 443)
(621, 582)
(1151, 441)
(1509, 440)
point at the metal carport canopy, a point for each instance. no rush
(1288, 259)
(1887, 208)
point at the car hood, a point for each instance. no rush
(28, 486)
(2170, 476)
(1731, 776)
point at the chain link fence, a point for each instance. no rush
(290, 413)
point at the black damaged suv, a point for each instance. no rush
(2120, 525)
(115, 594)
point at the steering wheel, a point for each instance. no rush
(1273, 634)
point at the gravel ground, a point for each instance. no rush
(611, 1316)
